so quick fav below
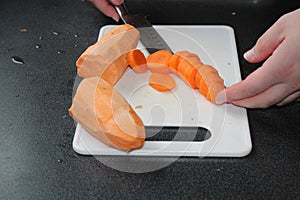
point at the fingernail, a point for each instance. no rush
(221, 97)
(115, 18)
(116, 2)
(249, 55)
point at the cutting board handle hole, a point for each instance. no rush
(159, 133)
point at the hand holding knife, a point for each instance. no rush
(148, 35)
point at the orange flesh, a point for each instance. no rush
(161, 82)
(206, 78)
(104, 56)
(158, 61)
(137, 61)
(105, 114)
(174, 61)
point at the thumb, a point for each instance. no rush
(267, 43)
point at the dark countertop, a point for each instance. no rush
(36, 156)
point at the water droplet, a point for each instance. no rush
(60, 51)
(40, 38)
(59, 161)
(37, 46)
(233, 13)
(55, 33)
(75, 45)
(17, 60)
(75, 36)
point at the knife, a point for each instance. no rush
(148, 35)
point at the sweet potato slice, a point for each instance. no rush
(213, 82)
(101, 57)
(192, 58)
(187, 72)
(161, 82)
(203, 88)
(198, 79)
(215, 86)
(187, 66)
(206, 78)
(158, 61)
(137, 61)
(173, 62)
(106, 115)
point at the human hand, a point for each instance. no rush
(106, 7)
(277, 81)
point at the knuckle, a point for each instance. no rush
(283, 20)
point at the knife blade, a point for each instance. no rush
(149, 37)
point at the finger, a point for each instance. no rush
(106, 8)
(266, 44)
(289, 99)
(269, 97)
(116, 2)
(270, 73)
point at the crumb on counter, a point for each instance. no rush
(23, 30)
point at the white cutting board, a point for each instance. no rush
(183, 107)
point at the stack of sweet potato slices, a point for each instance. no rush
(186, 65)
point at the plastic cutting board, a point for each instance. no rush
(183, 107)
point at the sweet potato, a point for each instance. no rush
(198, 79)
(105, 114)
(107, 55)
(161, 82)
(173, 62)
(213, 82)
(198, 75)
(137, 61)
(187, 72)
(158, 61)
(187, 66)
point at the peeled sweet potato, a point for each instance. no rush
(104, 113)
(108, 55)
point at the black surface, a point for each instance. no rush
(160, 133)
(36, 156)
